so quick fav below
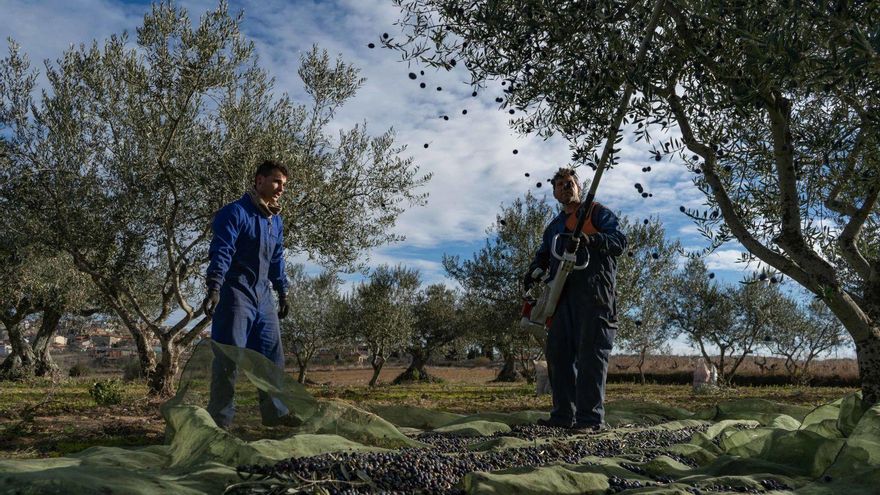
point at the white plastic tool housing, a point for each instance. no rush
(545, 306)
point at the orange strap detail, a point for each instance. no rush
(589, 229)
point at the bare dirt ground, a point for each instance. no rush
(348, 376)
(46, 419)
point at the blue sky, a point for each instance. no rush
(471, 156)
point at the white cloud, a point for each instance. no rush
(725, 259)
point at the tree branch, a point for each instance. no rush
(847, 239)
(737, 228)
(191, 335)
(112, 291)
(832, 203)
(110, 294)
(791, 239)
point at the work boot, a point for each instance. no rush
(553, 423)
(288, 420)
(588, 427)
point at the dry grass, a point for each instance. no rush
(846, 369)
(45, 419)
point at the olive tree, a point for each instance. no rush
(35, 281)
(644, 279)
(314, 316)
(492, 279)
(771, 105)
(379, 314)
(703, 312)
(438, 323)
(805, 332)
(17, 302)
(122, 161)
(758, 306)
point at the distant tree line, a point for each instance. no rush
(390, 312)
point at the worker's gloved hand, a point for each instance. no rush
(589, 240)
(210, 302)
(283, 306)
(529, 280)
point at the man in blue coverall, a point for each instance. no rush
(247, 262)
(585, 321)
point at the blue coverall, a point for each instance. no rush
(247, 262)
(585, 321)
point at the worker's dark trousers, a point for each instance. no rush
(579, 337)
(244, 319)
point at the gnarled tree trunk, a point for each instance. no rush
(44, 365)
(868, 355)
(302, 363)
(377, 361)
(416, 371)
(21, 362)
(508, 370)
(162, 380)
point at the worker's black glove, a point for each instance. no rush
(210, 302)
(528, 280)
(589, 240)
(283, 306)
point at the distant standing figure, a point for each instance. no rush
(713, 375)
(247, 263)
(701, 374)
(542, 380)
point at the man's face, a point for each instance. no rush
(566, 190)
(271, 186)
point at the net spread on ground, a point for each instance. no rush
(750, 446)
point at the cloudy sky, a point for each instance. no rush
(471, 156)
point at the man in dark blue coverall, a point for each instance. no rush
(247, 262)
(585, 321)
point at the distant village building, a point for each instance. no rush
(104, 340)
(79, 343)
(119, 353)
(59, 341)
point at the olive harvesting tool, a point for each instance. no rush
(537, 313)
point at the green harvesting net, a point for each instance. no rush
(333, 447)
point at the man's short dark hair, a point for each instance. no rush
(267, 167)
(564, 172)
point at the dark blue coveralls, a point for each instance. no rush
(585, 321)
(247, 262)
